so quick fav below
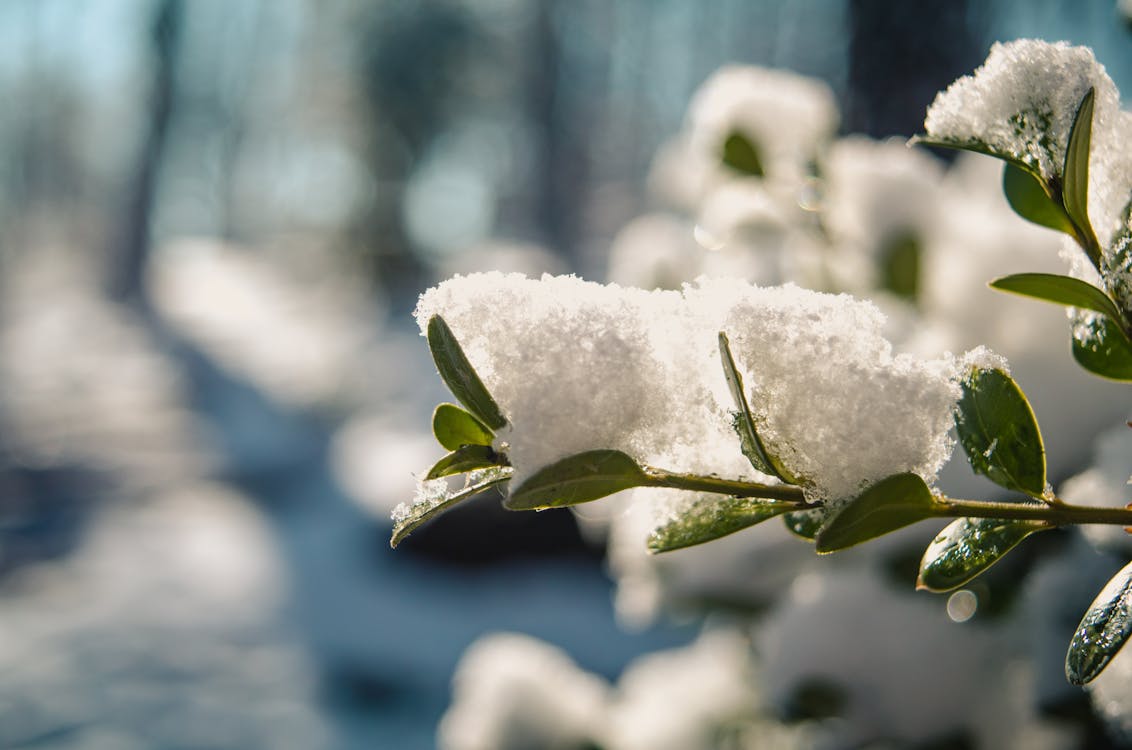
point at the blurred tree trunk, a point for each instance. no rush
(132, 241)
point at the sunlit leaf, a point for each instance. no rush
(1101, 348)
(805, 523)
(577, 479)
(740, 154)
(892, 503)
(999, 433)
(1062, 290)
(1103, 630)
(711, 517)
(749, 441)
(439, 499)
(463, 459)
(459, 375)
(967, 547)
(1027, 195)
(1075, 189)
(454, 427)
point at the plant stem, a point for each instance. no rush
(733, 487)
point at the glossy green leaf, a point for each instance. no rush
(749, 441)
(1027, 195)
(463, 459)
(440, 499)
(999, 433)
(1062, 290)
(740, 154)
(711, 517)
(805, 523)
(454, 427)
(892, 503)
(1101, 348)
(972, 145)
(577, 479)
(967, 547)
(459, 375)
(1103, 630)
(1075, 187)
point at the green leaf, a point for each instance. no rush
(1101, 348)
(805, 523)
(711, 517)
(1103, 630)
(740, 154)
(454, 427)
(967, 547)
(999, 433)
(440, 499)
(749, 441)
(1075, 190)
(1062, 290)
(459, 375)
(900, 266)
(892, 503)
(1026, 194)
(577, 479)
(465, 458)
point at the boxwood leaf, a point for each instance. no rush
(749, 441)
(1027, 195)
(892, 503)
(967, 547)
(459, 375)
(711, 517)
(805, 523)
(454, 427)
(1075, 188)
(440, 499)
(999, 433)
(577, 479)
(1062, 290)
(463, 459)
(740, 153)
(1101, 347)
(1103, 630)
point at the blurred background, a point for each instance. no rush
(215, 219)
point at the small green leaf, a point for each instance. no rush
(999, 433)
(465, 458)
(1103, 630)
(577, 479)
(740, 154)
(1101, 348)
(1075, 190)
(440, 498)
(967, 547)
(900, 266)
(1062, 290)
(749, 441)
(454, 427)
(1027, 195)
(459, 375)
(711, 517)
(805, 523)
(973, 145)
(892, 503)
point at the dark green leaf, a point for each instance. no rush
(973, 145)
(454, 427)
(900, 266)
(1075, 190)
(805, 523)
(577, 479)
(967, 547)
(999, 433)
(890, 504)
(740, 154)
(711, 517)
(459, 375)
(1027, 195)
(1103, 630)
(749, 441)
(1101, 348)
(441, 499)
(465, 458)
(1062, 290)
